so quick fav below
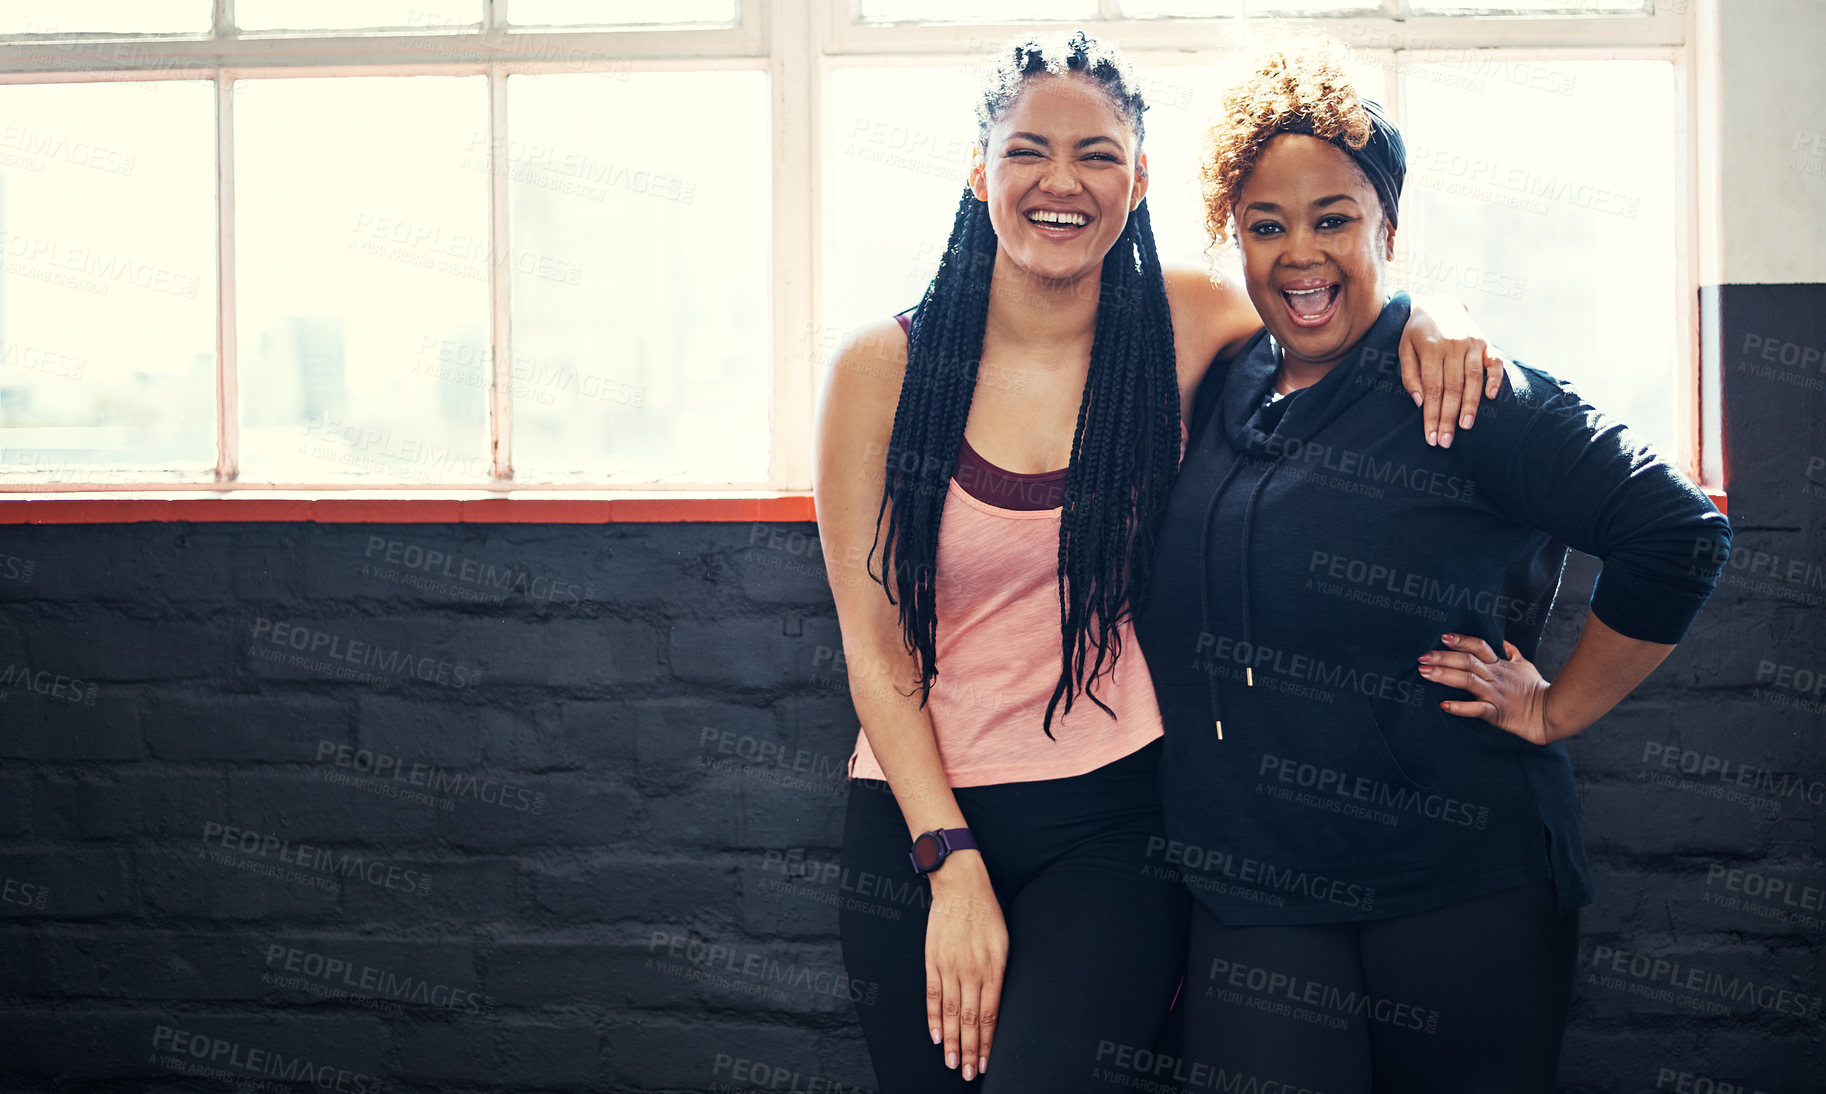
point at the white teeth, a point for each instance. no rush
(1306, 292)
(1042, 216)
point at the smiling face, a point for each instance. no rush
(1061, 173)
(1315, 247)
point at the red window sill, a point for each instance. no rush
(402, 508)
(426, 508)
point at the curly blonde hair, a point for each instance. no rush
(1299, 89)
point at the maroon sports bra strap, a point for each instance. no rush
(906, 323)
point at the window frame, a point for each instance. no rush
(799, 43)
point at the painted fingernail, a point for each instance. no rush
(1445, 440)
(969, 1072)
(982, 1064)
(1433, 437)
(1416, 395)
(950, 1059)
(1426, 670)
(1464, 422)
(1448, 638)
(937, 1036)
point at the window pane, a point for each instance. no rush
(1532, 7)
(621, 13)
(643, 351)
(975, 11)
(1557, 233)
(100, 16)
(355, 14)
(362, 247)
(1181, 9)
(1211, 9)
(107, 280)
(1313, 7)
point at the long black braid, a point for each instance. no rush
(1125, 446)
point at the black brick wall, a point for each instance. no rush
(630, 742)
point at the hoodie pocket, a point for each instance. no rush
(1324, 786)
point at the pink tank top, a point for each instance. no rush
(998, 645)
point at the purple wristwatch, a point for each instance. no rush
(930, 849)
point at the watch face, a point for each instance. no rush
(926, 850)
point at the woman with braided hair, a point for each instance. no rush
(989, 474)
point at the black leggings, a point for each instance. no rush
(1096, 930)
(1466, 999)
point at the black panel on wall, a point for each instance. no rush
(490, 808)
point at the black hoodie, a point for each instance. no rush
(1314, 547)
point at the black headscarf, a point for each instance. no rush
(1383, 158)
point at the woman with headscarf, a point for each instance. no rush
(1382, 835)
(1006, 451)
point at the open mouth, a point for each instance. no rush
(1311, 307)
(1058, 223)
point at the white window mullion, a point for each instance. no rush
(794, 72)
(500, 390)
(228, 381)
